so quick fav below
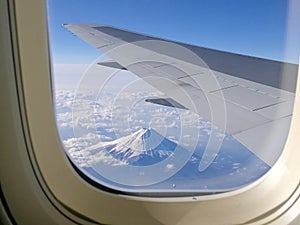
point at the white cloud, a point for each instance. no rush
(93, 118)
(169, 167)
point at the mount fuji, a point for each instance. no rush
(142, 148)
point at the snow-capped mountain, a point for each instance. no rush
(142, 148)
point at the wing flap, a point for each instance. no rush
(165, 102)
(208, 83)
(277, 111)
(272, 138)
(249, 99)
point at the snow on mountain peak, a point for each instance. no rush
(143, 147)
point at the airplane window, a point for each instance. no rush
(163, 97)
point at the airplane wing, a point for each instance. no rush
(250, 98)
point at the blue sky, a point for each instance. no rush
(254, 27)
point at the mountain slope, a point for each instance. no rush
(142, 148)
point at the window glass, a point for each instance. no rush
(168, 97)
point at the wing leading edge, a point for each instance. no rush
(247, 97)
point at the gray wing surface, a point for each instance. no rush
(249, 98)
